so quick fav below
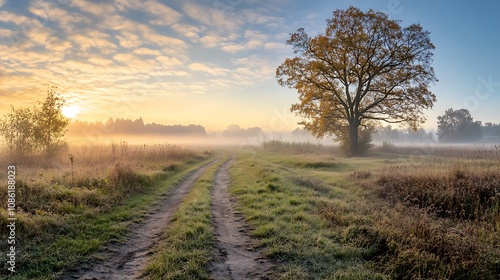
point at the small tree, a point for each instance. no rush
(364, 68)
(50, 124)
(458, 126)
(17, 130)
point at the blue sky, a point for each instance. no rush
(213, 62)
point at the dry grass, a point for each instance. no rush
(471, 151)
(463, 190)
(97, 175)
(71, 205)
(445, 218)
(291, 147)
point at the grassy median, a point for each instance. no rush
(189, 240)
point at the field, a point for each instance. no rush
(280, 211)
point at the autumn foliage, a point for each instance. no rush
(365, 68)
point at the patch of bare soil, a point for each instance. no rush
(235, 256)
(128, 260)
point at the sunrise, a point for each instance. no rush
(233, 139)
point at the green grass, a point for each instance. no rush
(297, 220)
(318, 215)
(323, 216)
(188, 245)
(66, 234)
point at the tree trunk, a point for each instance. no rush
(353, 138)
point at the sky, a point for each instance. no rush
(212, 62)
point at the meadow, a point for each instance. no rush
(314, 214)
(71, 206)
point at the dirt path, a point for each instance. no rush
(235, 258)
(128, 260)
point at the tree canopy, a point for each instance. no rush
(365, 68)
(458, 126)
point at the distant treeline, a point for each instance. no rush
(389, 134)
(488, 133)
(136, 127)
(235, 131)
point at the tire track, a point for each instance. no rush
(128, 260)
(235, 258)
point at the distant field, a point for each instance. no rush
(313, 214)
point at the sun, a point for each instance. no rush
(70, 111)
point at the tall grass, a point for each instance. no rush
(68, 209)
(291, 147)
(101, 174)
(449, 223)
(491, 152)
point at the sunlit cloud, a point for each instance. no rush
(214, 71)
(95, 8)
(108, 55)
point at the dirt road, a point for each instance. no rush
(235, 258)
(128, 260)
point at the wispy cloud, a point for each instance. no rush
(211, 70)
(95, 51)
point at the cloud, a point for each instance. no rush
(167, 44)
(218, 18)
(234, 47)
(255, 39)
(6, 32)
(214, 71)
(165, 15)
(128, 39)
(94, 39)
(211, 40)
(146, 51)
(276, 46)
(254, 69)
(19, 20)
(96, 8)
(58, 45)
(97, 51)
(189, 31)
(50, 11)
(170, 62)
(258, 16)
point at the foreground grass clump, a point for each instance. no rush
(65, 213)
(291, 147)
(188, 246)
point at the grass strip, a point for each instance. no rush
(189, 242)
(289, 221)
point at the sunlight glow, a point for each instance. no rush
(70, 111)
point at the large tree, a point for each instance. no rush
(365, 68)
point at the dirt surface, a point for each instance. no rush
(235, 258)
(128, 260)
